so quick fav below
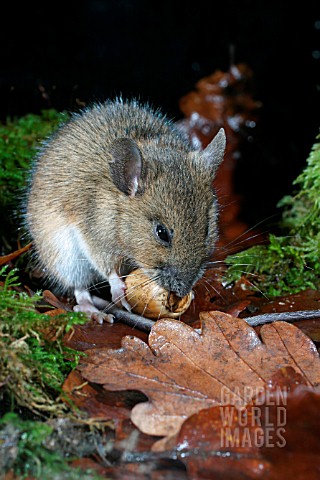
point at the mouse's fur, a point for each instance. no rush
(104, 181)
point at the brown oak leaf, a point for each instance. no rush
(12, 256)
(274, 439)
(183, 371)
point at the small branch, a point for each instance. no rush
(144, 324)
(256, 320)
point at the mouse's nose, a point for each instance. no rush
(176, 281)
(181, 290)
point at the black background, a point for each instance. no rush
(64, 55)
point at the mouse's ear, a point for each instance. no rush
(126, 166)
(213, 154)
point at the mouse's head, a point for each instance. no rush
(168, 210)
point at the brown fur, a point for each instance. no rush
(76, 196)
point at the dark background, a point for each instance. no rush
(65, 55)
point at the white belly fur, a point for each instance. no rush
(73, 262)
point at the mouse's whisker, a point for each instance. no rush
(246, 272)
(137, 286)
(243, 264)
(94, 286)
(212, 287)
(150, 300)
(250, 230)
(146, 305)
(160, 313)
(143, 283)
(215, 262)
(258, 289)
(131, 274)
(205, 286)
(243, 241)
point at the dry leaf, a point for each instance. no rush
(91, 335)
(99, 403)
(12, 256)
(183, 371)
(279, 443)
(51, 299)
(223, 99)
(204, 432)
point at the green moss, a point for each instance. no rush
(32, 367)
(34, 361)
(288, 263)
(23, 449)
(18, 142)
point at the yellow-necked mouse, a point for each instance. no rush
(118, 187)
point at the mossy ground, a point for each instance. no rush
(288, 263)
(19, 140)
(33, 367)
(34, 361)
(27, 450)
(32, 371)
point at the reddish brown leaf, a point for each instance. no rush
(12, 256)
(51, 299)
(55, 312)
(274, 438)
(210, 295)
(224, 447)
(92, 335)
(183, 371)
(99, 404)
(223, 99)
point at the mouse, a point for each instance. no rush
(117, 187)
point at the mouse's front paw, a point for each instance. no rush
(101, 317)
(118, 291)
(119, 298)
(94, 314)
(125, 304)
(85, 305)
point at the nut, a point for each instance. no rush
(150, 300)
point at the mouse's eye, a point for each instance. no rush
(163, 235)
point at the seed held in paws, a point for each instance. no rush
(150, 300)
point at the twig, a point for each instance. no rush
(129, 318)
(145, 324)
(256, 320)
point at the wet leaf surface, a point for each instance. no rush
(182, 371)
(273, 438)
